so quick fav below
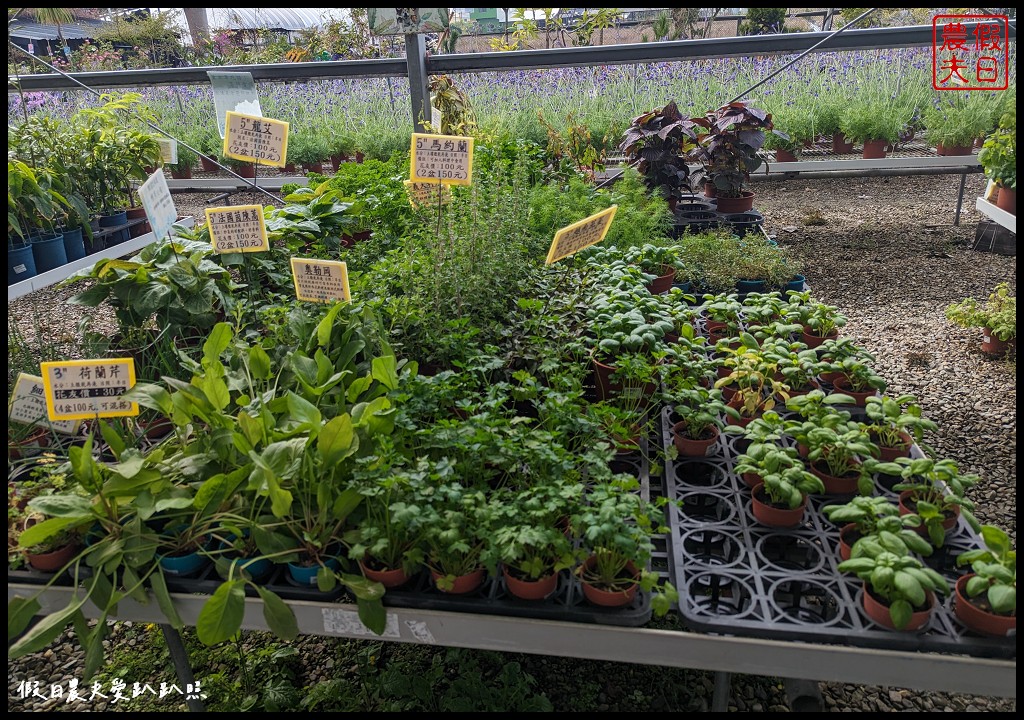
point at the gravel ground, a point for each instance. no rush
(882, 249)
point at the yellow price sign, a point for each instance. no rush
(82, 389)
(425, 194)
(581, 234)
(239, 228)
(257, 139)
(444, 158)
(28, 405)
(320, 280)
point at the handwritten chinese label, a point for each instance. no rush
(168, 150)
(156, 200)
(448, 158)
(425, 194)
(320, 280)
(81, 389)
(28, 405)
(261, 140)
(233, 92)
(581, 234)
(975, 58)
(238, 229)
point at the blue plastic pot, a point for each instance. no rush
(74, 244)
(797, 283)
(108, 221)
(48, 251)
(751, 286)
(306, 576)
(184, 565)
(686, 287)
(21, 265)
(257, 570)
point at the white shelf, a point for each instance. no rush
(1002, 217)
(52, 277)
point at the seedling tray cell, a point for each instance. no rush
(738, 577)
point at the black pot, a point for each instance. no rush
(742, 223)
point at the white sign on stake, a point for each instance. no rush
(168, 150)
(234, 92)
(156, 200)
(28, 405)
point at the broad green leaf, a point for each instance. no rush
(47, 529)
(363, 588)
(132, 461)
(385, 371)
(259, 363)
(46, 630)
(910, 587)
(337, 440)
(221, 616)
(112, 437)
(372, 614)
(92, 641)
(216, 342)
(1003, 599)
(151, 396)
(347, 501)
(163, 599)
(995, 539)
(280, 618)
(73, 506)
(20, 612)
(900, 612)
(325, 579)
(304, 411)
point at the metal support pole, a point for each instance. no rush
(182, 667)
(723, 686)
(419, 93)
(960, 200)
(803, 695)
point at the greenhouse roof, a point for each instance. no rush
(77, 30)
(273, 18)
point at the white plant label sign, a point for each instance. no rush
(168, 150)
(28, 405)
(233, 92)
(156, 200)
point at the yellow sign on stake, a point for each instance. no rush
(257, 139)
(28, 405)
(320, 280)
(424, 194)
(239, 228)
(581, 234)
(448, 158)
(82, 389)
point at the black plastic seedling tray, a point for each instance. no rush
(738, 577)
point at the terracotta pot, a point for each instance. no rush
(878, 611)
(246, 171)
(138, 213)
(1006, 199)
(751, 480)
(359, 156)
(463, 584)
(802, 450)
(156, 428)
(530, 589)
(693, 448)
(848, 535)
(831, 377)
(842, 385)
(979, 141)
(608, 598)
(387, 578)
(288, 169)
(662, 283)
(992, 345)
(889, 454)
(31, 444)
(606, 388)
(740, 204)
(811, 385)
(314, 167)
(53, 561)
(953, 149)
(812, 340)
(208, 164)
(710, 190)
(182, 173)
(874, 149)
(735, 402)
(840, 146)
(336, 161)
(785, 156)
(908, 506)
(771, 516)
(971, 613)
(845, 485)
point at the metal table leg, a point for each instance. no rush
(960, 200)
(803, 695)
(723, 687)
(182, 667)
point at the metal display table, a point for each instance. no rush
(991, 211)
(671, 648)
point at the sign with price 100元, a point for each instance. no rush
(260, 140)
(83, 389)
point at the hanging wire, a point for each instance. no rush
(251, 185)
